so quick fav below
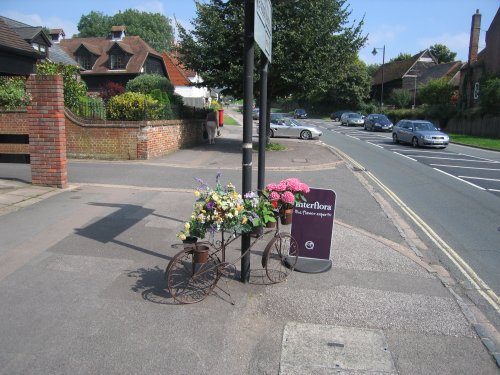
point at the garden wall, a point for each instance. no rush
(487, 126)
(129, 140)
(14, 123)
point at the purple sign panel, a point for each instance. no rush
(312, 224)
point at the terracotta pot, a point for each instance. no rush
(200, 254)
(286, 216)
(271, 224)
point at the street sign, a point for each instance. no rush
(312, 228)
(263, 26)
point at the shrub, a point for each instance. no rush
(489, 96)
(436, 91)
(163, 99)
(111, 89)
(401, 98)
(146, 83)
(134, 106)
(73, 88)
(91, 107)
(13, 93)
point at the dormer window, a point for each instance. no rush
(117, 33)
(84, 61)
(117, 61)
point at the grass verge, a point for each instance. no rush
(228, 120)
(469, 140)
(270, 146)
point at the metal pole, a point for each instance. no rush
(382, 89)
(415, 93)
(264, 68)
(247, 126)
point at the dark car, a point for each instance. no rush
(300, 113)
(352, 119)
(376, 121)
(335, 116)
(419, 133)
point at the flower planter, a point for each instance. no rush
(271, 224)
(190, 242)
(286, 216)
(200, 254)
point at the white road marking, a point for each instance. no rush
(459, 179)
(480, 178)
(373, 144)
(397, 153)
(463, 167)
(438, 157)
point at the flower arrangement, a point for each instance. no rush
(260, 210)
(220, 208)
(286, 193)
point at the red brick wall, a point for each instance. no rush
(128, 140)
(47, 131)
(15, 122)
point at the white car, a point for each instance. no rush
(288, 127)
(352, 118)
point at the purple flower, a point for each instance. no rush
(210, 205)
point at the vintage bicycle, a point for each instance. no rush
(194, 272)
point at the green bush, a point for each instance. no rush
(13, 93)
(91, 107)
(134, 106)
(436, 91)
(489, 96)
(73, 88)
(146, 83)
(163, 99)
(401, 98)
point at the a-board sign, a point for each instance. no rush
(312, 228)
(263, 34)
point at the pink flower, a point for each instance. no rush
(271, 187)
(274, 196)
(292, 184)
(304, 188)
(288, 197)
(280, 187)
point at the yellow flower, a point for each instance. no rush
(187, 226)
(197, 193)
(182, 236)
(244, 220)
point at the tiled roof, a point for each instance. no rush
(446, 70)
(57, 55)
(397, 69)
(118, 28)
(176, 74)
(13, 23)
(138, 49)
(57, 31)
(10, 40)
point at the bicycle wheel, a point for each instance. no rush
(280, 257)
(190, 282)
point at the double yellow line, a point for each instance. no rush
(478, 284)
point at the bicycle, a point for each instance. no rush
(193, 273)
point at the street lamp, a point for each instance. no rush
(374, 52)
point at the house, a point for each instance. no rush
(480, 64)
(186, 82)
(39, 41)
(117, 58)
(17, 57)
(401, 74)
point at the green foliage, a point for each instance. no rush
(489, 95)
(13, 93)
(312, 42)
(442, 53)
(154, 28)
(91, 107)
(146, 83)
(438, 114)
(402, 56)
(73, 87)
(436, 91)
(162, 98)
(372, 68)
(401, 98)
(134, 106)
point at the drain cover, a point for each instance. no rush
(299, 160)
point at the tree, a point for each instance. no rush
(154, 28)
(401, 98)
(402, 56)
(436, 91)
(311, 46)
(489, 96)
(372, 68)
(442, 53)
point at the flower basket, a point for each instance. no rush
(200, 253)
(190, 242)
(286, 216)
(284, 195)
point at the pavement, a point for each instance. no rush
(82, 286)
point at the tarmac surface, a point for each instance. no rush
(82, 287)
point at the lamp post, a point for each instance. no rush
(374, 52)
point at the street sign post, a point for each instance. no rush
(312, 228)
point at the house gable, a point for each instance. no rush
(118, 57)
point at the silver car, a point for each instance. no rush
(352, 118)
(419, 133)
(287, 127)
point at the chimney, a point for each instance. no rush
(474, 37)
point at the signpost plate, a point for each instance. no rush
(263, 26)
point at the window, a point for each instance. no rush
(84, 61)
(117, 62)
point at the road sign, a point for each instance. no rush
(263, 26)
(312, 228)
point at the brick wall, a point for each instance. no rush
(128, 140)
(14, 122)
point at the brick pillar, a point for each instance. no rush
(47, 131)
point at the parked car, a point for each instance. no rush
(376, 121)
(419, 133)
(287, 127)
(352, 118)
(335, 116)
(255, 113)
(277, 117)
(300, 113)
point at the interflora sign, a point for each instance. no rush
(263, 26)
(312, 228)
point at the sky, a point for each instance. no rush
(402, 26)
